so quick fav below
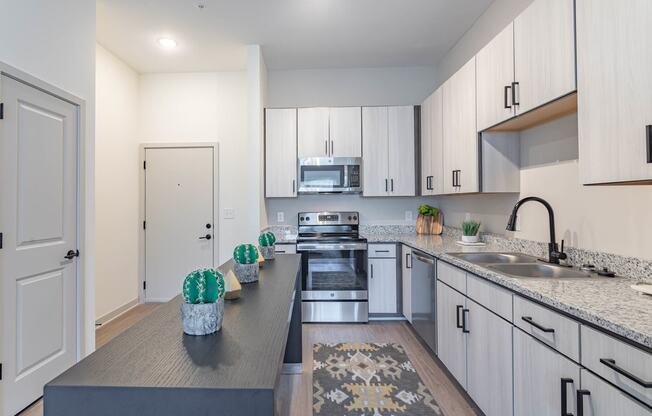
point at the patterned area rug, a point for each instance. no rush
(368, 379)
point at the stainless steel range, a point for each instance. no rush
(334, 267)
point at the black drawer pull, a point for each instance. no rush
(464, 329)
(648, 133)
(408, 263)
(564, 396)
(612, 364)
(580, 401)
(457, 316)
(507, 88)
(514, 85)
(530, 321)
(381, 251)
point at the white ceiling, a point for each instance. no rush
(294, 34)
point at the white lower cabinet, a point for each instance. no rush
(544, 380)
(382, 285)
(451, 340)
(489, 360)
(598, 398)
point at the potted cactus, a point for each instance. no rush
(267, 244)
(246, 263)
(470, 230)
(202, 310)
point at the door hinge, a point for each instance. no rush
(144, 225)
(144, 164)
(144, 284)
(2, 111)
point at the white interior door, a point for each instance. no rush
(179, 232)
(39, 219)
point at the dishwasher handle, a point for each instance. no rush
(424, 259)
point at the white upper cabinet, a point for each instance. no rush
(388, 148)
(614, 73)
(281, 152)
(345, 132)
(544, 53)
(432, 144)
(460, 137)
(313, 138)
(495, 78)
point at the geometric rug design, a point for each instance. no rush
(368, 379)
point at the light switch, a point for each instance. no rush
(280, 216)
(229, 213)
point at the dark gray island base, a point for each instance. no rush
(154, 369)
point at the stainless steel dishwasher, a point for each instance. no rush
(423, 298)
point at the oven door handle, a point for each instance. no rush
(331, 246)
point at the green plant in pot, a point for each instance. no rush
(246, 266)
(429, 220)
(470, 229)
(202, 310)
(267, 244)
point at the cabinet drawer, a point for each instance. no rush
(452, 276)
(492, 297)
(605, 400)
(286, 249)
(624, 365)
(549, 327)
(382, 250)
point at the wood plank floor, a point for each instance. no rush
(295, 391)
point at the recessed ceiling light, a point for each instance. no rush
(167, 43)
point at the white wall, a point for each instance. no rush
(612, 219)
(210, 106)
(55, 42)
(116, 184)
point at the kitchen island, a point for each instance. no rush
(155, 369)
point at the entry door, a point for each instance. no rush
(38, 220)
(179, 227)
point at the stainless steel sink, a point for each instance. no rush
(489, 258)
(534, 270)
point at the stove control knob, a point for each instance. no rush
(307, 218)
(350, 218)
(355, 217)
(301, 218)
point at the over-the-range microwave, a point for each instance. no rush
(330, 175)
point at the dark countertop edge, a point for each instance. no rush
(640, 340)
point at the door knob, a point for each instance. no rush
(206, 237)
(71, 254)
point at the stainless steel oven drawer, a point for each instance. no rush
(335, 311)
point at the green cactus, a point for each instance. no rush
(267, 239)
(245, 254)
(203, 286)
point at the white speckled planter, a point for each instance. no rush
(268, 252)
(202, 318)
(247, 273)
(470, 238)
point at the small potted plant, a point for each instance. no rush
(202, 310)
(246, 263)
(267, 244)
(429, 220)
(470, 230)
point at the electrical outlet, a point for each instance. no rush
(408, 216)
(280, 217)
(229, 213)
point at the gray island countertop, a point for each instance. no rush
(153, 368)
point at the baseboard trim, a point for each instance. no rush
(116, 312)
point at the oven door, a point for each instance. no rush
(333, 271)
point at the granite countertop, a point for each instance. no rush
(608, 303)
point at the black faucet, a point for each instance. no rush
(554, 253)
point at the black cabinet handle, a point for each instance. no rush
(206, 237)
(408, 263)
(392, 182)
(530, 321)
(611, 363)
(71, 254)
(372, 270)
(648, 133)
(564, 396)
(464, 329)
(332, 147)
(457, 316)
(459, 182)
(386, 186)
(514, 85)
(507, 88)
(580, 401)
(454, 180)
(294, 186)
(326, 146)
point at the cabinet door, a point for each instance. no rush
(614, 57)
(495, 74)
(426, 145)
(451, 341)
(544, 53)
(382, 285)
(406, 281)
(539, 373)
(605, 400)
(375, 175)
(437, 142)
(313, 139)
(460, 134)
(401, 151)
(489, 360)
(346, 132)
(280, 152)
